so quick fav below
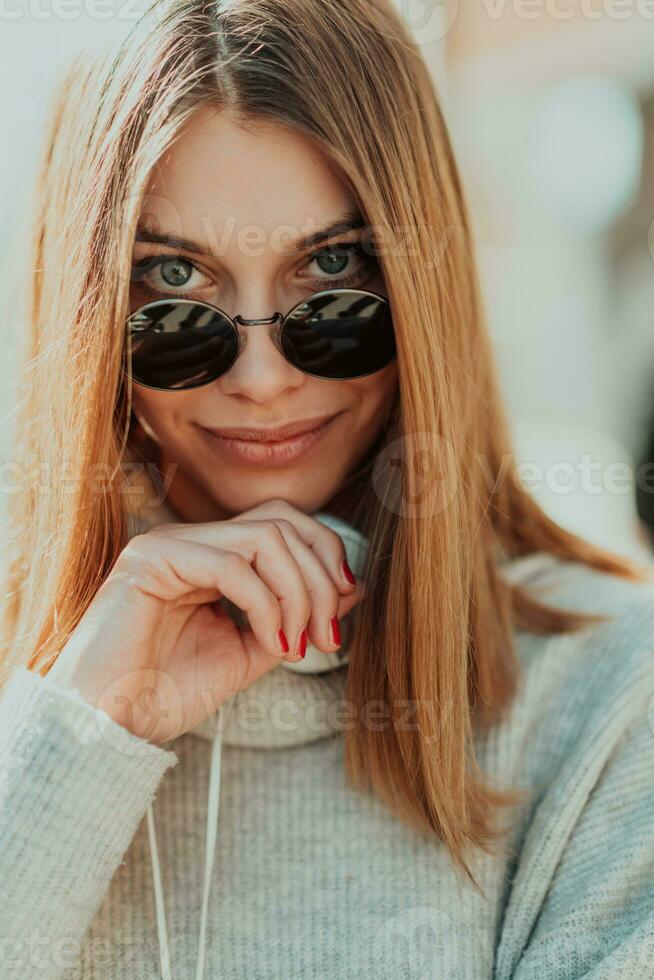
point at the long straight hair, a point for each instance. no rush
(438, 495)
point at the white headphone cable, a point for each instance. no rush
(213, 804)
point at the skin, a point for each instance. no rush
(218, 182)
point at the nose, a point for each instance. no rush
(260, 372)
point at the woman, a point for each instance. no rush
(248, 218)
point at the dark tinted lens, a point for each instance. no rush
(339, 334)
(179, 344)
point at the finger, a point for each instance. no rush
(279, 569)
(323, 594)
(255, 665)
(171, 569)
(325, 542)
(348, 602)
(263, 545)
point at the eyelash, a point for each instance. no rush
(150, 262)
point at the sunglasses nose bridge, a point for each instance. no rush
(264, 319)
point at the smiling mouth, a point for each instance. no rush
(279, 433)
(266, 451)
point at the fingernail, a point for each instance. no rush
(302, 644)
(283, 642)
(347, 574)
(336, 631)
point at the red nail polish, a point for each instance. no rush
(336, 630)
(302, 645)
(347, 574)
(283, 642)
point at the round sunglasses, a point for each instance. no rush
(335, 334)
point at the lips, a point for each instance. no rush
(270, 435)
(257, 451)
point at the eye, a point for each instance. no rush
(342, 260)
(166, 274)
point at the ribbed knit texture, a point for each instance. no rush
(314, 881)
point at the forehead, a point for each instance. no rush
(219, 179)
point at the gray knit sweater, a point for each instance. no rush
(313, 881)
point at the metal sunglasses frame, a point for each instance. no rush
(132, 327)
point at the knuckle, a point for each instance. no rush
(235, 564)
(331, 596)
(136, 552)
(280, 504)
(335, 541)
(330, 538)
(137, 562)
(271, 531)
(165, 527)
(302, 601)
(273, 612)
(286, 527)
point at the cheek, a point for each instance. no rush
(148, 403)
(376, 393)
(162, 410)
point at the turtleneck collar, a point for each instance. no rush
(282, 709)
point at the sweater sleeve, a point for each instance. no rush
(597, 919)
(74, 786)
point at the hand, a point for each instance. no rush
(156, 649)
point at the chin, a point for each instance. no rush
(249, 493)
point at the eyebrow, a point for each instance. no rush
(351, 220)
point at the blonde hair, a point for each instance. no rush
(436, 626)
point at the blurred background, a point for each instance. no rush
(550, 105)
